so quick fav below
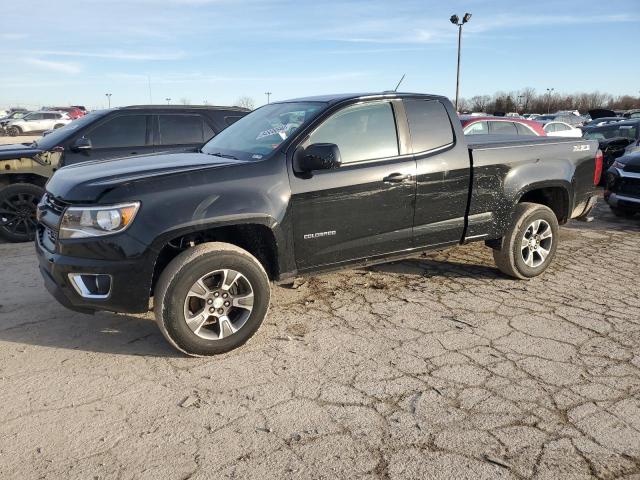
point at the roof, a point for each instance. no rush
(630, 122)
(341, 97)
(183, 107)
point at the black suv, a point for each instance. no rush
(118, 132)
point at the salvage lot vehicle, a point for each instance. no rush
(293, 188)
(137, 130)
(616, 139)
(622, 191)
(561, 129)
(37, 122)
(474, 125)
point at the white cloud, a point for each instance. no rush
(62, 67)
(115, 54)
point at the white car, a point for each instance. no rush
(561, 129)
(37, 122)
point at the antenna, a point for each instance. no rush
(396, 89)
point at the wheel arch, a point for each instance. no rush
(555, 195)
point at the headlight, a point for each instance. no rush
(82, 222)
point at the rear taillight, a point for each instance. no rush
(598, 171)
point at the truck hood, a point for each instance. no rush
(18, 150)
(87, 181)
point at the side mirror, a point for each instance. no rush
(320, 156)
(81, 144)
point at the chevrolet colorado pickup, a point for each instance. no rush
(293, 188)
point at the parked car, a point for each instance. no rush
(561, 129)
(120, 132)
(601, 121)
(294, 188)
(4, 121)
(500, 125)
(37, 122)
(632, 114)
(571, 119)
(622, 191)
(72, 112)
(616, 140)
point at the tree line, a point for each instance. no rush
(528, 100)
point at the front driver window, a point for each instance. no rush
(361, 132)
(122, 131)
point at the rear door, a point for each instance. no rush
(443, 173)
(179, 132)
(120, 135)
(363, 208)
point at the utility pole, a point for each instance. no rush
(108, 95)
(456, 21)
(549, 91)
(268, 94)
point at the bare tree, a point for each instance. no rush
(246, 102)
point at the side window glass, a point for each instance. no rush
(121, 131)
(524, 130)
(361, 132)
(503, 128)
(180, 129)
(429, 124)
(478, 128)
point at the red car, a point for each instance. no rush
(500, 126)
(72, 112)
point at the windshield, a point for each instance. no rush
(59, 135)
(263, 130)
(612, 131)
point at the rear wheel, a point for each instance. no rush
(622, 212)
(530, 243)
(211, 299)
(18, 204)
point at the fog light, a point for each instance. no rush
(91, 285)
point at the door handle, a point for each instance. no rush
(397, 177)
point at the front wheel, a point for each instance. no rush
(18, 204)
(211, 299)
(530, 243)
(13, 131)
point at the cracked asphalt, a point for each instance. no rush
(433, 367)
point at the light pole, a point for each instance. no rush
(520, 97)
(456, 21)
(549, 91)
(108, 95)
(168, 100)
(268, 94)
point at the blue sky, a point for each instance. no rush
(74, 51)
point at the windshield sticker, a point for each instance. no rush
(282, 131)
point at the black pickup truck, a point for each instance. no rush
(293, 188)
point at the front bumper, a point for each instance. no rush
(623, 189)
(130, 281)
(622, 201)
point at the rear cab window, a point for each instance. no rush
(429, 124)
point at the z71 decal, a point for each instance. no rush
(581, 148)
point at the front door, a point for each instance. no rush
(363, 208)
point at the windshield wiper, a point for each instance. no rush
(223, 155)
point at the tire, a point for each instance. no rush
(622, 213)
(14, 131)
(521, 261)
(18, 211)
(198, 270)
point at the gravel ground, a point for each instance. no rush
(433, 367)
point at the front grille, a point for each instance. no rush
(54, 204)
(632, 168)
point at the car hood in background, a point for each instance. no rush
(18, 150)
(601, 113)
